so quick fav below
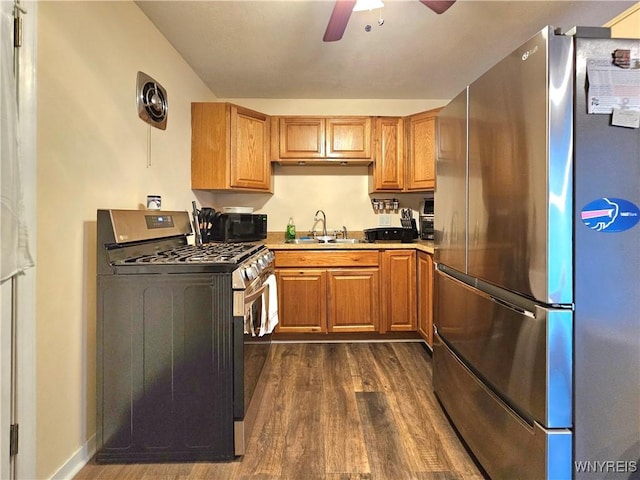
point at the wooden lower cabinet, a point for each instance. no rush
(327, 291)
(351, 291)
(302, 305)
(353, 300)
(399, 312)
(425, 296)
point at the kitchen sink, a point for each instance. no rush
(348, 240)
(302, 241)
(308, 241)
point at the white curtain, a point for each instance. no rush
(15, 256)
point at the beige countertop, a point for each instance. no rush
(275, 241)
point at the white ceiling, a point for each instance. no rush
(274, 49)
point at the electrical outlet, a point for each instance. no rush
(384, 220)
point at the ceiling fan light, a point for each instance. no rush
(367, 5)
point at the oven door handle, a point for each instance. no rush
(253, 296)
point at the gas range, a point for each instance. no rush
(140, 242)
(182, 331)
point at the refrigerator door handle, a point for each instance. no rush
(521, 311)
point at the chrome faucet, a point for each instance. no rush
(324, 221)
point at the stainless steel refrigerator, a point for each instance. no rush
(536, 355)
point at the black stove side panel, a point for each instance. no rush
(164, 368)
(104, 233)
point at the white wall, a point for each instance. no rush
(92, 152)
(299, 191)
(627, 24)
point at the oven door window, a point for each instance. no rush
(253, 316)
(256, 347)
(254, 298)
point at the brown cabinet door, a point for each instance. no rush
(301, 137)
(388, 165)
(425, 297)
(229, 148)
(353, 300)
(399, 290)
(250, 166)
(302, 300)
(348, 137)
(421, 146)
(209, 145)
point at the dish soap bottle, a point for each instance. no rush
(290, 234)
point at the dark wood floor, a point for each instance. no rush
(336, 411)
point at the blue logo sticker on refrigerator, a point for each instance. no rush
(610, 215)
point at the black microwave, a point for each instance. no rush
(236, 227)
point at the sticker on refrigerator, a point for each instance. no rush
(610, 215)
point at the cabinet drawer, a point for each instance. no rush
(327, 258)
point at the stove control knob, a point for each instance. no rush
(245, 273)
(255, 270)
(250, 273)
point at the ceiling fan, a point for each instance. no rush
(343, 8)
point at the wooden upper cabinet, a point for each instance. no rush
(387, 173)
(229, 148)
(301, 137)
(405, 152)
(321, 138)
(348, 137)
(421, 150)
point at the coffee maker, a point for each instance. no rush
(425, 212)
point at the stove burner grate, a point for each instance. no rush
(209, 253)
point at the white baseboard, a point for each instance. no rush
(78, 460)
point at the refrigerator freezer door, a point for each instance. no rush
(506, 446)
(524, 357)
(520, 167)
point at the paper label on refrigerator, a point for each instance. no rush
(612, 87)
(610, 215)
(625, 118)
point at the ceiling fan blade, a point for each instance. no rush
(438, 6)
(338, 20)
